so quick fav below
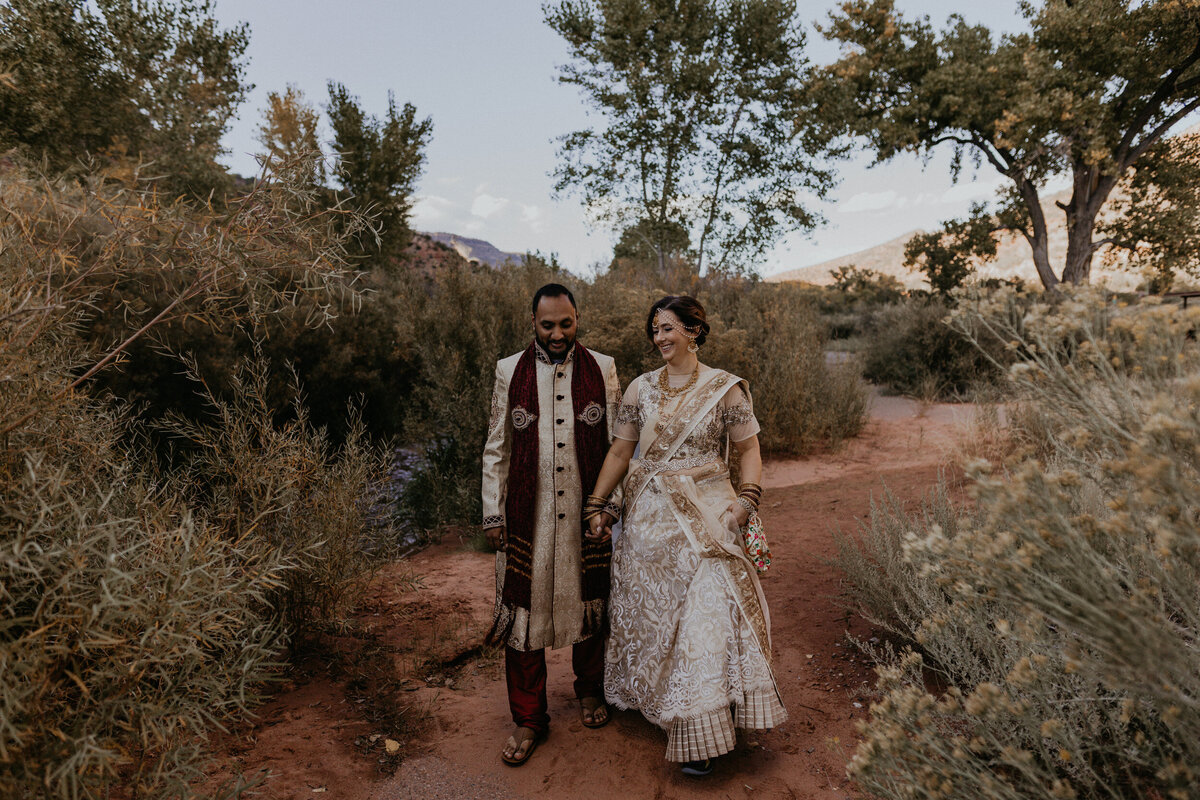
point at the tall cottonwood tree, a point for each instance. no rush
(151, 80)
(377, 163)
(706, 124)
(1090, 89)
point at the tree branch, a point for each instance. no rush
(993, 156)
(1165, 89)
(1159, 132)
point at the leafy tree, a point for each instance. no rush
(707, 124)
(1156, 214)
(155, 80)
(1087, 92)
(289, 132)
(377, 163)
(868, 285)
(946, 256)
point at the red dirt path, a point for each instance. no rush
(316, 736)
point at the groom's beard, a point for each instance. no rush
(556, 351)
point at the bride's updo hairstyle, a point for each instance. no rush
(687, 309)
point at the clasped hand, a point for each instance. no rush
(600, 527)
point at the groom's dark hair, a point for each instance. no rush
(553, 290)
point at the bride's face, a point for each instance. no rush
(669, 338)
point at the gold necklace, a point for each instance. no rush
(665, 385)
(666, 391)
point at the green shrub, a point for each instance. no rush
(138, 607)
(912, 350)
(283, 489)
(799, 399)
(1064, 609)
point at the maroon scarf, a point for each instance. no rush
(591, 445)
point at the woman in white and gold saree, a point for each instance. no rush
(689, 643)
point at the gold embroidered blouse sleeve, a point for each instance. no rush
(737, 411)
(496, 453)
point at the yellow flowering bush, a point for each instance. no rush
(1064, 607)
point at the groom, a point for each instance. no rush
(553, 409)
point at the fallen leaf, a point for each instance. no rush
(392, 746)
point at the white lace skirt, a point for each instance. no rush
(684, 646)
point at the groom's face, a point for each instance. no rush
(554, 325)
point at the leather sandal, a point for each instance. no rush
(584, 710)
(527, 737)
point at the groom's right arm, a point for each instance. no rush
(495, 462)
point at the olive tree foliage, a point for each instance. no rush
(706, 122)
(151, 81)
(1086, 92)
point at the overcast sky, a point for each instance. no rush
(484, 71)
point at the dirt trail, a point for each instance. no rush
(316, 737)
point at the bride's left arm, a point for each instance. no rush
(750, 459)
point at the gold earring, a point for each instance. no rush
(693, 347)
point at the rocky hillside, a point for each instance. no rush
(477, 249)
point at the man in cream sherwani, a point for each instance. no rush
(554, 407)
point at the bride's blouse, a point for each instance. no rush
(732, 417)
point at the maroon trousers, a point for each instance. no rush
(526, 674)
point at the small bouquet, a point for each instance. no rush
(754, 541)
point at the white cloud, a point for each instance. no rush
(430, 210)
(530, 214)
(486, 205)
(872, 201)
(964, 192)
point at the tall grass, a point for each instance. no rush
(1064, 610)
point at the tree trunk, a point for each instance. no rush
(1092, 188)
(1038, 237)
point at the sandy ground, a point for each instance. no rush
(324, 735)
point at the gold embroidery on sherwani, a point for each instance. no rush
(557, 613)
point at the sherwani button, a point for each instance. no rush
(560, 374)
(562, 444)
(560, 492)
(560, 397)
(562, 516)
(559, 421)
(559, 469)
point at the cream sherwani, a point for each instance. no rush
(555, 616)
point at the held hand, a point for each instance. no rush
(738, 512)
(496, 537)
(600, 528)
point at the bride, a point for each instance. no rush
(690, 642)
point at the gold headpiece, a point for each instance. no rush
(691, 333)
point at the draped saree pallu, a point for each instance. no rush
(689, 642)
(591, 443)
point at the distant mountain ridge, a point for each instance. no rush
(477, 250)
(1013, 259)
